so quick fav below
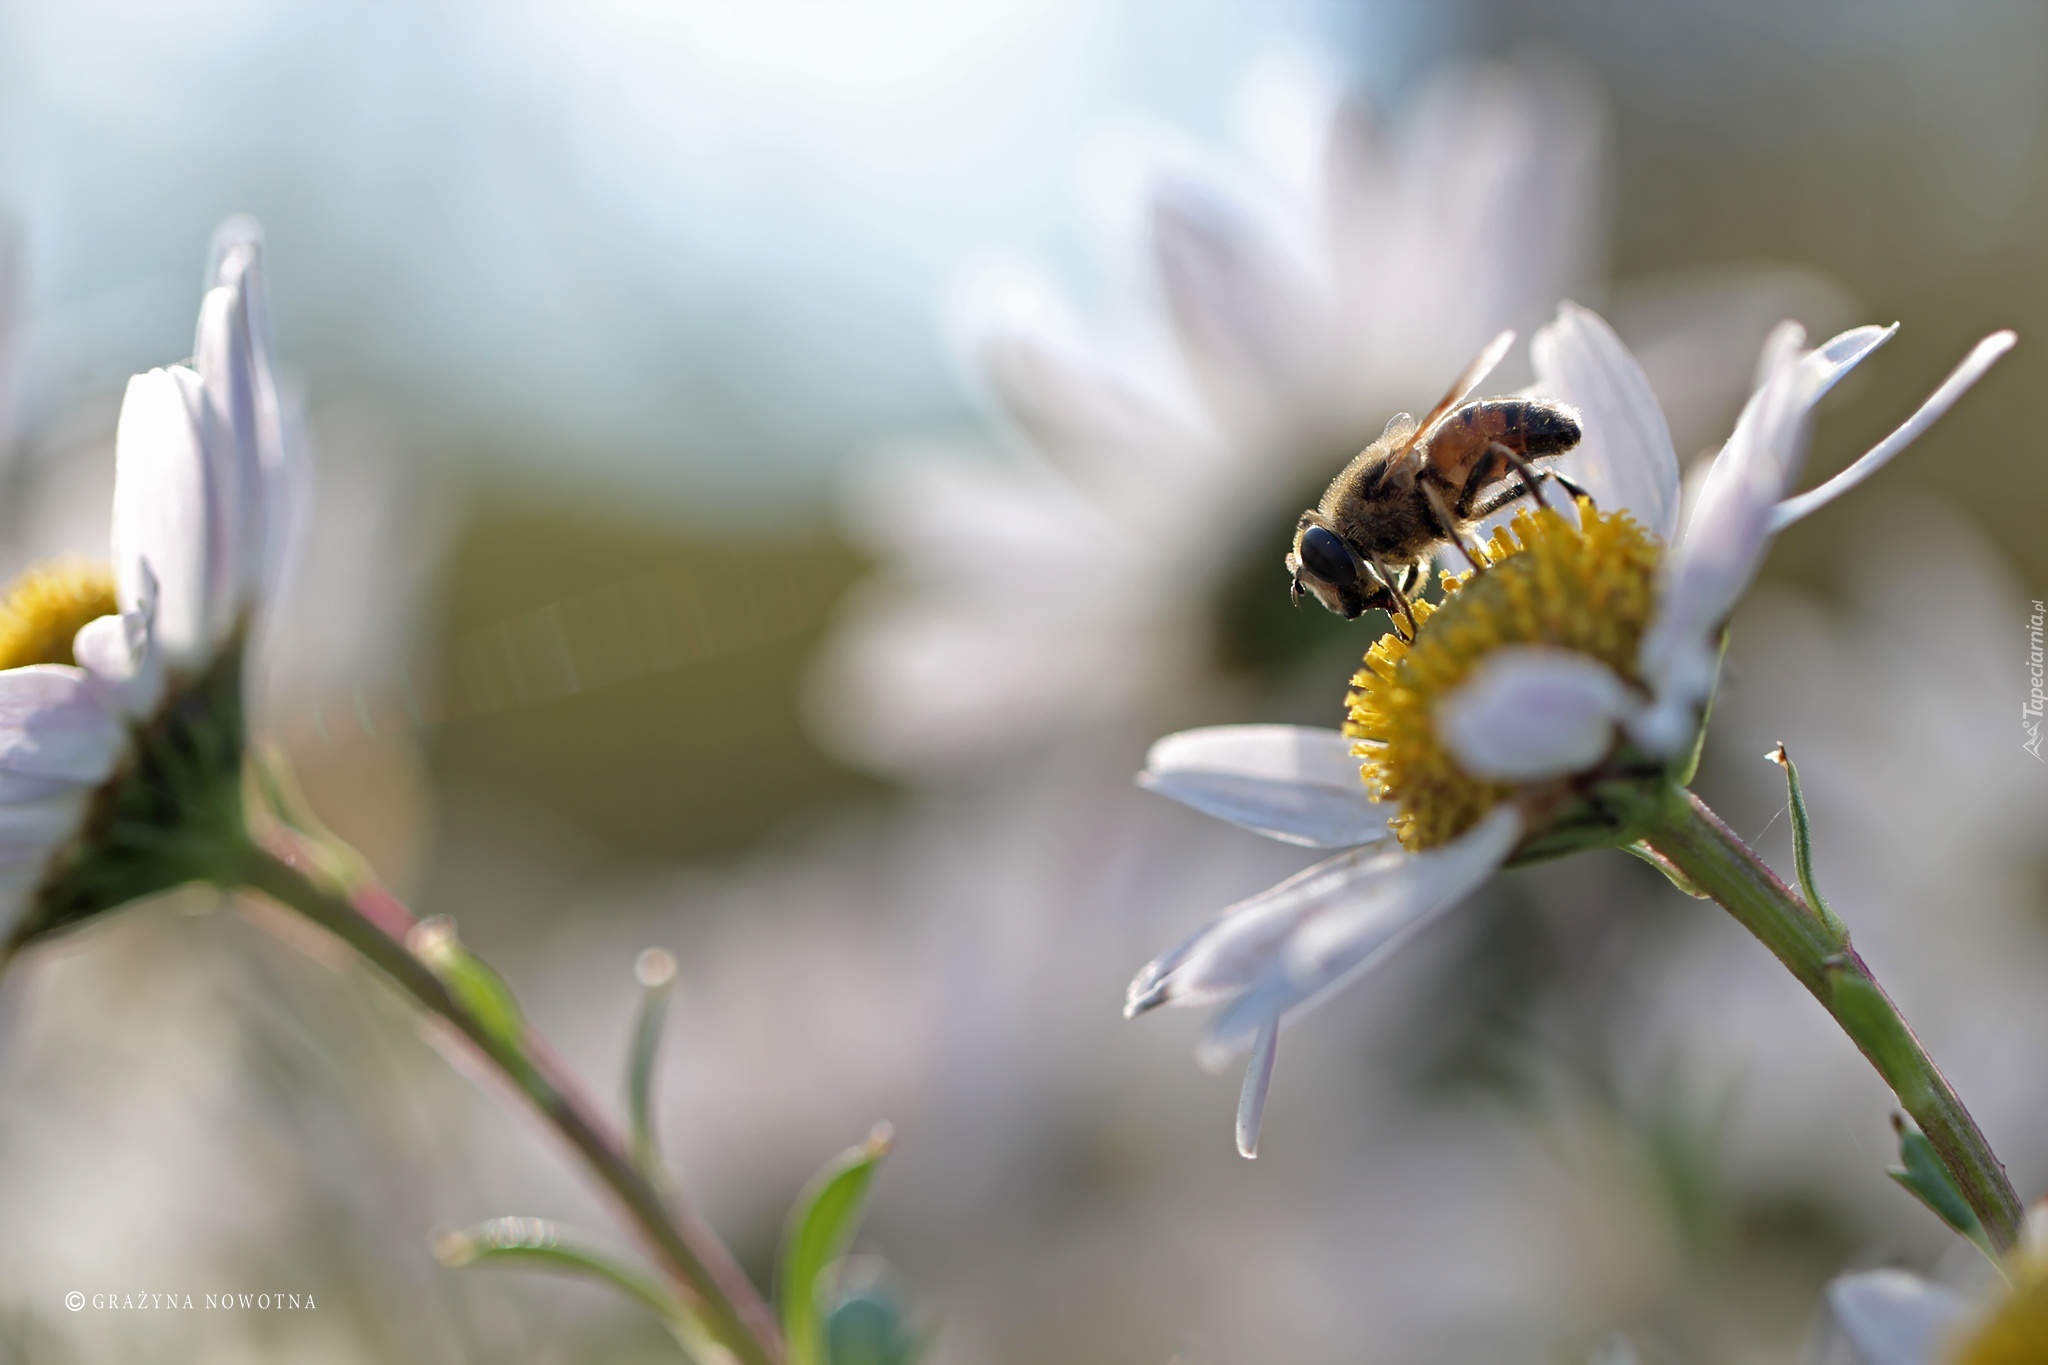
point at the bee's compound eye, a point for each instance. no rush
(1326, 556)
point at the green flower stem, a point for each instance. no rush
(705, 1273)
(1816, 948)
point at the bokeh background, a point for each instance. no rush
(725, 539)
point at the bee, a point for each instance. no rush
(1369, 543)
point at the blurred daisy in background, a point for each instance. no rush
(1290, 294)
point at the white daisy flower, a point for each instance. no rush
(1302, 293)
(1584, 653)
(120, 690)
(1894, 1317)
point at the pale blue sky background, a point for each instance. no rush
(689, 247)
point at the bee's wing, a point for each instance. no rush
(1461, 388)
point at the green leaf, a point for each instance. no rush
(656, 971)
(821, 1227)
(1667, 867)
(868, 1329)
(1802, 845)
(539, 1244)
(481, 992)
(1870, 1019)
(1922, 1174)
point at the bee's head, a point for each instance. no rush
(1324, 564)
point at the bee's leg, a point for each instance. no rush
(1498, 454)
(1415, 578)
(1448, 523)
(1570, 486)
(1530, 474)
(1512, 493)
(1407, 609)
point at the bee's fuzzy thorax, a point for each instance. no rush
(1590, 589)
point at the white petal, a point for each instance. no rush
(1624, 457)
(1696, 333)
(30, 788)
(1258, 1079)
(237, 262)
(160, 524)
(1294, 945)
(1529, 713)
(1360, 926)
(1893, 1318)
(29, 829)
(1233, 305)
(54, 723)
(1980, 359)
(1726, 535)
(120, 652)
(1119, 430)
(1228, 953)
(1291, 782)
(226, 363)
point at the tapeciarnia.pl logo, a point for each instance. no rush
(2030, 714)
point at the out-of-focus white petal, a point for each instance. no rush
(1726, 534)
(1893, 1318)
(1258, 1080)
(29, 787)
(1624, 456)
(120, 651)
(234, 468)
(30, 829)
(1096, 426)
(162, 510)
(1529, 712)
(1121, 428)
(236, 262)
(1235, 304)
(1294, 783)
(54, 723)
(1696, 333)
(113, 653)
(1981, 358)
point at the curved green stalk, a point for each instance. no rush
(1813, 944)
(706, 1277)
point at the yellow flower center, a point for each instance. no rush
(1588, 588)
(2016, 1333)
(45, 607)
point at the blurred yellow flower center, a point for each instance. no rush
(45, 607)
(2016, 1333)
(1588, 588)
